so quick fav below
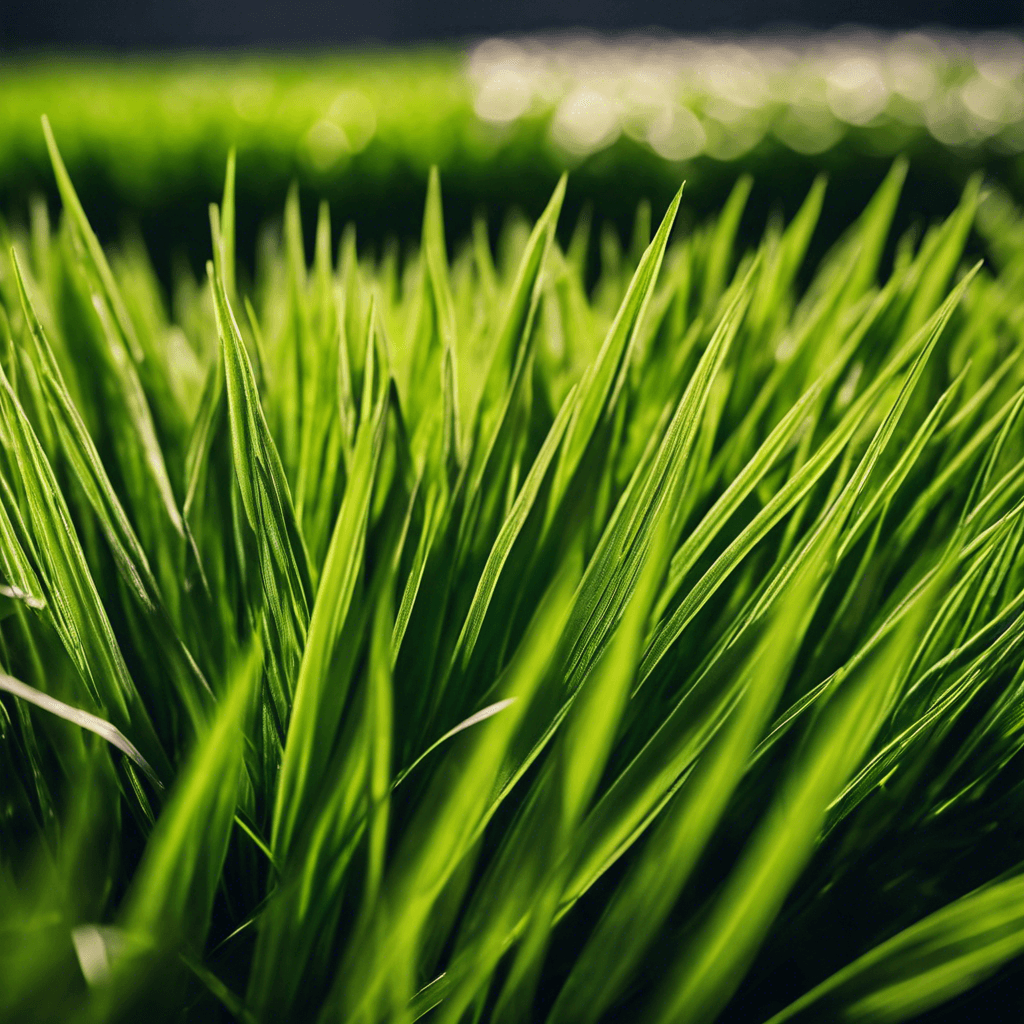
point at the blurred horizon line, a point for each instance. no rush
(198, 25)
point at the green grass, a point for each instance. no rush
(146, 137)
(427, 634)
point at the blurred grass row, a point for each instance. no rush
(146, 138)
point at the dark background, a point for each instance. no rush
(289, 23)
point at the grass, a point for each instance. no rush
(427, 635)
(147, 137)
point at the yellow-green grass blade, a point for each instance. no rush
(924, 965)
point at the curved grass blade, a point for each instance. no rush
(81, 718)
(924, 965)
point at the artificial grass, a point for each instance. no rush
(424, 635)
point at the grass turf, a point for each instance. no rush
(435, 635)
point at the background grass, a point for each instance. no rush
(146, 137)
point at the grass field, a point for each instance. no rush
(427, 633)
(145, 138)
